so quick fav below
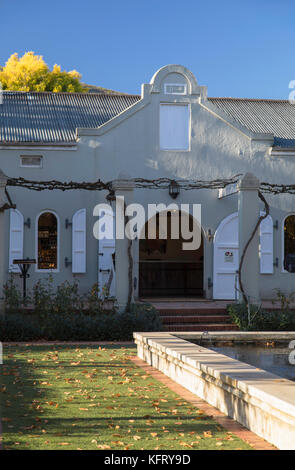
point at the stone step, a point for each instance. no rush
(201, 327)
(180, 319)
(191, 311)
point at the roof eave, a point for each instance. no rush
(37, 144)
(282, 151)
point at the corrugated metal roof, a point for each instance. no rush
(259, 115)
(54, 117)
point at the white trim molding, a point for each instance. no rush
(227, 191)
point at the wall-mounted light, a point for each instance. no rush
(276, 225)
(67, 262)
(209, 235)
(276, 262)
(27, 223)
(68, 223)
(174, 189)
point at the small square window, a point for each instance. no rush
(31, 161)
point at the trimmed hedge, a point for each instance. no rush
(79, 326)
(261, 320)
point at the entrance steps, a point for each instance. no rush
(194, 315)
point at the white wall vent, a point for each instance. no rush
(175, 89)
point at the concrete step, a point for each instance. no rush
(180, 319)
(201, 327)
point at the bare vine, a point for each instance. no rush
(261, 218)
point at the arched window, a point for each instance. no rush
(47, 239)
(289, 243)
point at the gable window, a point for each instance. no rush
(289, 243)
(31, 161)
(47, 241)
(174, 126)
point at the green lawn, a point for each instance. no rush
(67, 397)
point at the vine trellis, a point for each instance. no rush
(159, 183)
(99, 185)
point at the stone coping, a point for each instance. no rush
(237, 335)
(248, 379)
(258, 389)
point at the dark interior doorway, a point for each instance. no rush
(166, 270)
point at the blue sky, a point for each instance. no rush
(237, 48)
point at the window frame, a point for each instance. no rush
(188, 105)
(283, 243)
(38, 270)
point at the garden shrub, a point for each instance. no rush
(261, 320)
(111, 326)
(44, 299)
(63, 314)
(12, 296)
(42, 296)
(19, 327)
(67, 298)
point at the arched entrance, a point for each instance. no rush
(165, 269)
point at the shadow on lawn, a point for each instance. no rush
(27, 419)
(21, 412)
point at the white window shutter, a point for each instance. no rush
(174, 127)
(16, 239)
(266, 245)
(79, 242)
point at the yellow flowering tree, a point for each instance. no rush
(31, 73)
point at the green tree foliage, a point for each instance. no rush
(31, 73)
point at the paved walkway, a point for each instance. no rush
(232, 426)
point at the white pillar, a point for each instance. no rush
(123, 187)
(249, 213)
(3, 201)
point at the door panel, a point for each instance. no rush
(226, 258)
(106, 262)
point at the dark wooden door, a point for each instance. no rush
(170, 278)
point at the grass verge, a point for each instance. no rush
(90, 397)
